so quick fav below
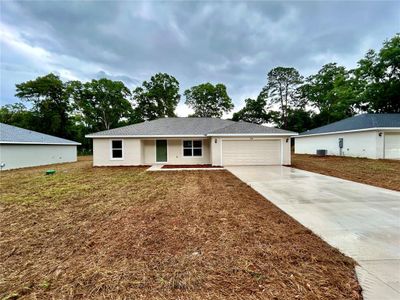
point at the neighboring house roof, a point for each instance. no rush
(15, 135)
(175, 127)
(362, 122)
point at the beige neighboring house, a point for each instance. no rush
(20, 148)
(375, 136)
(190, 141)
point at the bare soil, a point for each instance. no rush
(123, 233)
(377, 172)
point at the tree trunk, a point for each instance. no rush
(282, 104)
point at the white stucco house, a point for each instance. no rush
(375, 136)
(20, 148)
(191, 141)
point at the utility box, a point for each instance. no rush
(322, 152)
(341, 143)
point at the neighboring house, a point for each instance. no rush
(369, 135)
(21, 148)
(180, 141)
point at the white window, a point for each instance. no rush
(116, 149)
(192, 148)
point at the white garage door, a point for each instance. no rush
(392, 145)
(251, 152)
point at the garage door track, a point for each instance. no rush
(360, 220)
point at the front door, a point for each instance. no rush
(161, 150)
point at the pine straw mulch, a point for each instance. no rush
(123, 233)
(200, 166)
(377, 172)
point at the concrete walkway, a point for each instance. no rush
(361, 220)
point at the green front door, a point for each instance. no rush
(161, 150)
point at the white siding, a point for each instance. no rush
(216, 151)
(356, 144)
(149, 150)
(22, 155)
(132, 153)
(175, 152)
(143, 152)
(392, 145)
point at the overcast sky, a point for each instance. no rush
(235, 43)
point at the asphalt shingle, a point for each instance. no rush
(187, 126)
(249, 128)
(15, 135)
(363, 121)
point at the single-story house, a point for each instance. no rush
(374, 136)
(20, 148)
(188, 141)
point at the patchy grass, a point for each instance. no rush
(378, 172)
(123, 233)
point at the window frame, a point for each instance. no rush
(122, 149)
(192, 148)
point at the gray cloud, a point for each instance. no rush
(235, 43)
(129, 81)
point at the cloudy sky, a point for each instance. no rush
(235, 43)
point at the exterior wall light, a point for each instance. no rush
(380, 133)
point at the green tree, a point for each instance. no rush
(379, 76)
(103, 103)
(333, 91)
(208, 100)
(254, 111)
(50, 102)
(156, 98)
(18, 115)
(300, 120)
(282, 87)
(78, 131)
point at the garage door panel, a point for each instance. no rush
(251, 152)
(392, 145)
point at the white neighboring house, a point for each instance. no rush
(20, 148)
(375, 136)
(191, 141)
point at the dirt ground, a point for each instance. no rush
(377, 172)
(123, 233)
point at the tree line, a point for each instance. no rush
(296, 103)
(290, 101)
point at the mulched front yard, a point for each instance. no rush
(123, 233)
(377, 172)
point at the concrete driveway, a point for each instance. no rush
(361, 220)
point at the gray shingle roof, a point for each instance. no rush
(186, 127)
(364, 121)
(249, 128)
(15, 135)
